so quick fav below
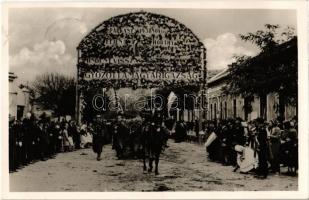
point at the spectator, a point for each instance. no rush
(275, 143)
(65, 137)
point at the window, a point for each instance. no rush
(263, 106)
(221, 110)
(20, 112)
(215, 111)
(235, 108)
(225, 110)
(210, 111)
(247, 107)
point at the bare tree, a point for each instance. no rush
(56, 92)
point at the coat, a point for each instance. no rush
(65, 138)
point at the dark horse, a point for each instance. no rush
(154, 139)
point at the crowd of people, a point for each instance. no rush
(33, 139)
(248, 146)
(255, 146)
(127, 135)
(272, 145)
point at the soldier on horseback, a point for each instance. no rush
(154, 140)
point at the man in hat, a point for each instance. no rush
(29, 139)
(263, 149)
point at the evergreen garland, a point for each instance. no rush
(183, 56)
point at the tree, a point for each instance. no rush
(273, 70)
(55, 92)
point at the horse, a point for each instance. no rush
(154, 138)
(120, 139)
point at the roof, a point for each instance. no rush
(282, 47)
(219, 76)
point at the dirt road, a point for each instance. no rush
(183, 167)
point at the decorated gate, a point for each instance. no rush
(139, 50)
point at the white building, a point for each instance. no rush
(19, 103)
(222, 106)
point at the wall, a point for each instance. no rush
(17, 97)
(215, 97)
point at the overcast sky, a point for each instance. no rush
(45, 39)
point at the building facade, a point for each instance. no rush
(281, 60)
(19, 103)
(222, 106)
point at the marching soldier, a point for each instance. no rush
(98, 137)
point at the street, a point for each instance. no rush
(183, 167)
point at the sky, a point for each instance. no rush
(45, 39)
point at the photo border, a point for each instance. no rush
(302, 32)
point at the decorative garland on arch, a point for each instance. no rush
(141, 36)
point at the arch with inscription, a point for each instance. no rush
(140, 50)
